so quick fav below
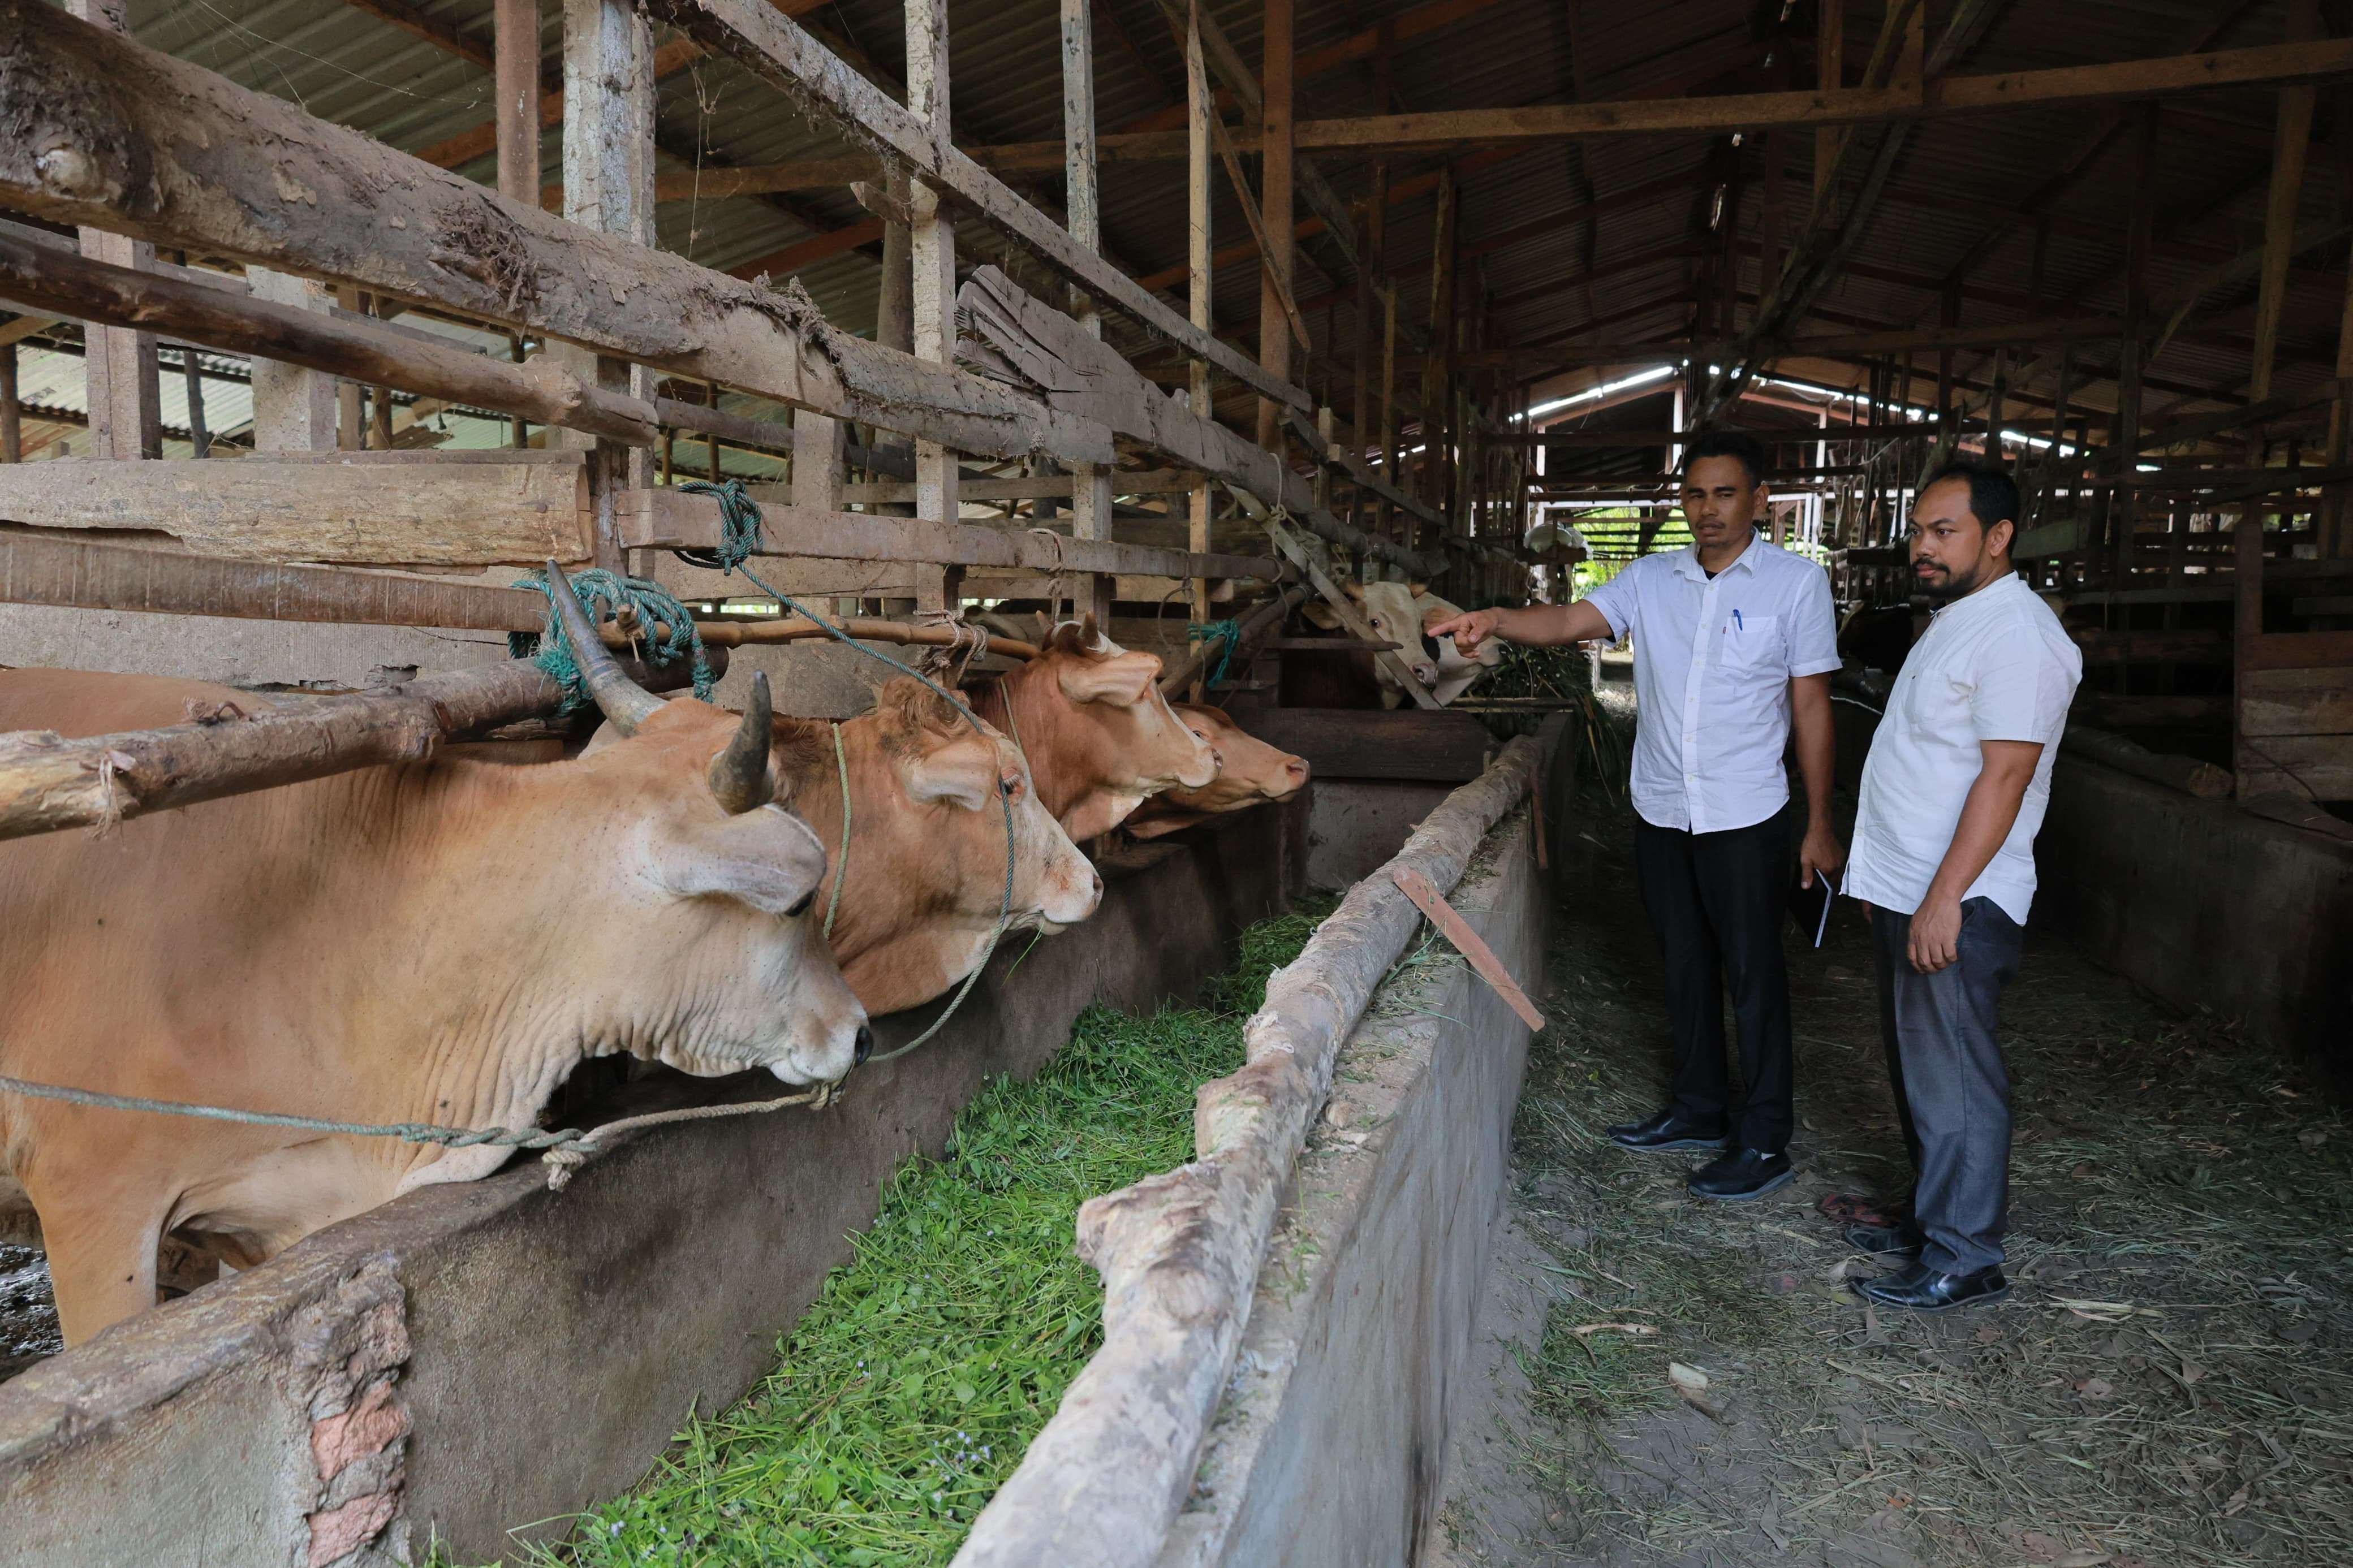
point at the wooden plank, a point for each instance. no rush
(516, 81)
(1200, 299)
(1030, 487)
(424, 508)
(1032, 339)
(781, 52)
(163, 150)
(1438, 746)
(673, 519)
(1481, 957)
(2292, 135)
(2297, 650)
(2099, 647)
(2318, 767)
(1276, 312)
(2303, 701)
(43, 569)
(2050, 539)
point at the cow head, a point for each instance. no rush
(1099, 734)
(719, 967)
(1428, 611)
(926, 865)
(1389, 606)
(1248, 772)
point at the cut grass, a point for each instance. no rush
(911, 1388)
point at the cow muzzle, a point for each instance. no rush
(863, 1046)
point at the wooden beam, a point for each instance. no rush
(2292, 135)
(390, 508)
(11, 429)
(1274, 307)
(1091, 502)
(674, 520)
(173, 151)
(781, 52)
(1201, 117)
(357, 350)
(516, 69)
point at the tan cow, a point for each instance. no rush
(1401, 612)
(1099, 735)
(1248, 772)
(926, 872)
(440, 941)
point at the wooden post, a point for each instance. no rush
(1776, 156)
(515, 23)
(608, 185)
(12, 430)
(1091, 511)
(519, 429)
(2336, 540)
(351, 397)
(818, 446)
(294, 408)
(1389, 525)
(1199, 108)
(192, 376)
(2291, 134)
(1829, 59)
(2121, 507)
(1275, 161)
(2246, 630)
(932, 245)
(118, 365)
(381, 416)
(1436, 394)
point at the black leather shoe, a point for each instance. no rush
(1670, 1129)
(1903, 1240)
(1741, 1174)
(1920, 1289)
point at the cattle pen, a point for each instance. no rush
(562, 565)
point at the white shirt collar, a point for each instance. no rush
(1687, 563)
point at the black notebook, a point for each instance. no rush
(1811, 906)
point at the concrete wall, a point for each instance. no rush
(471, 1358)
(1327, 1451)
(2200, 903)
(2205, 905)
(1354, 826)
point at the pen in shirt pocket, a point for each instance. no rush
(1738, 623)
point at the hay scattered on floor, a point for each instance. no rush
(910, 1390)
(2171, 1383)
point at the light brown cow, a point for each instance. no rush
(1099, 735)
(440, 941)
(926, 872)
(1402, 613)
(1248, 772)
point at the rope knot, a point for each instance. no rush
(600, 592)
(1227, 635)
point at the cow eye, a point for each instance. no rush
(797, 910)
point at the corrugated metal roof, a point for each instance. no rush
(1633, 268)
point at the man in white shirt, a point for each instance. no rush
(1953, 792)
(1734, 642)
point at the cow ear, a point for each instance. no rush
(1417, 589)
(765, 857)
(1433, 615)
(963, 773)
(1354, 589)
(1322, 616)
(1123, 680)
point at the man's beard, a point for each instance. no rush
(1951, 585)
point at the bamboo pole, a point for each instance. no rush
(1275, 321)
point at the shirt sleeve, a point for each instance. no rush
(1814, 627)
(1617, 599)
(2022, 692)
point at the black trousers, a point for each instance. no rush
(1952, 1087)
(1716, 901)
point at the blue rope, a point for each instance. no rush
(739, 536)
(601, 593)
(1228, 634)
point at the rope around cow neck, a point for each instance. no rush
(739, 536)
(841, 861)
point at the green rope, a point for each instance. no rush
(739, 537)
(1227, 634)
(603, 593)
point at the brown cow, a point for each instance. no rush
(926, 865)
(1099, 735)
(1248, 772)
(440, 941)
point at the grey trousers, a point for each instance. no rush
(1952, 1088)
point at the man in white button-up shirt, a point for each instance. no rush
(1956, 786)
(1734, 642)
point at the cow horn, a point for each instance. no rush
(740, 775)
(623, 701)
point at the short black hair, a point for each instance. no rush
(1738, 445)
(1993, 494)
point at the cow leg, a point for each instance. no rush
(101, 1264)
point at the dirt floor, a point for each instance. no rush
(28, 1317)
(2170, 1383)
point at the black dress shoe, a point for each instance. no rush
(1670, 1129)
(1920, 1289)
(1741, 1174)
(1903, 1240)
